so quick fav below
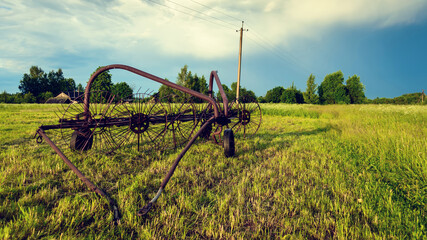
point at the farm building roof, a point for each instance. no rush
(63, 95)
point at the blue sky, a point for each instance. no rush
(382, 41)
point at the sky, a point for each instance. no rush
(381, 41)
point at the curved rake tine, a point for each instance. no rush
(110, 100)
(82, 177)
(144, 210)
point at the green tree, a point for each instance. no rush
(36, 82)
(274, 95)
(43, 97)
(183, 76)
(167, 94)
(292, 95)
(56, 82)
(244, 95)
(68, 85)
(197, 84)
(122, 90)
(17, 98)
(186, 79)
(101, 87)
(29, 98)
(247, 96)
(356, 90)
(310, 95)
(102, 82)
(261, 99)
(332, 89)
(4, 97)
(228, 93)
(80, 88)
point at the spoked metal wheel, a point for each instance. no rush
(234, 111)
(82, 131)
(215, 131)
(204, 112)
(181, 123)
(250, 118)
(139, 122)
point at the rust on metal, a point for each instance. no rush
(99, 120)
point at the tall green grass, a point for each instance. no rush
(318, 172)
(290, 110)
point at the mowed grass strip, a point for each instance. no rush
(310, 172)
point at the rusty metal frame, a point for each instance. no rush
(218, 116)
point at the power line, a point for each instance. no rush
(275, 50)
(191, 9)
(259, 40)
(166, 6)
(272, 48)
(211, 8)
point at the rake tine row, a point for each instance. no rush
(98, 120)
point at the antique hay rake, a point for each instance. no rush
(100, 121)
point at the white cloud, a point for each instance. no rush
(283, 21)
(33, 32)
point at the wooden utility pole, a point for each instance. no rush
(240, 61)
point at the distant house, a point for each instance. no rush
(62, 98)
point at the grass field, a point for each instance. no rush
(339, 171)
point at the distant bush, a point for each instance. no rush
(411, 98)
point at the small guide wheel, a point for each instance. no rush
(228, 143)
(81, 140)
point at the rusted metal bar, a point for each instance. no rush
(82, 177)
(88, 183)
(213, 76)
(146, 75)
(109, 122)
(137, 123)
(144, 210)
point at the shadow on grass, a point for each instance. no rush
(283, 139)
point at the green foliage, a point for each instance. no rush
(57, 83)
(101, 87)
(411, 98)
(35, 82)
(356, 90)
(167, 94)
(102, 83)
(38, 82)
(274, 95)
(122, 90)
(80, 88)
(231, 96)
(199, 84)
(186, 79)
(244, 94)
(29, 98)
(292, 95)
(261, 99)
(6, 97)
(45, 96)
(332, 89)
(310, 95)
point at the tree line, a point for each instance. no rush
(37, 86)
(411, 98)
(332, 90)
(186, 79)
